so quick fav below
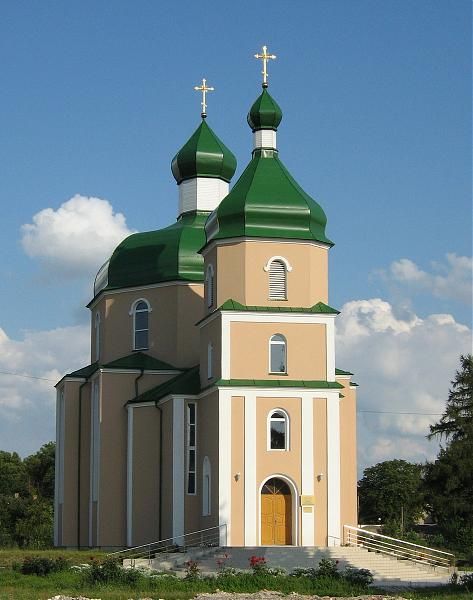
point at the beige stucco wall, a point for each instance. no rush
(307, 283)
(348, 466)
(320, 466)
(207, 445)
(145, 518)
(173, 336)
(238, 466)
(306, 350)
(211, 332)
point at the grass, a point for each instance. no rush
(8, 556)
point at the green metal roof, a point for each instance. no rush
(165, 255)
(186, 384)
(342, 372)
(203, 155)
(320, 307)
(137, 360)
(266, 202)
(265, 113)
(278, 383)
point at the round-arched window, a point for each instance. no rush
(278, 430)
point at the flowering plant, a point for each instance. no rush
(258, 564)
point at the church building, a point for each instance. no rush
(213, 398)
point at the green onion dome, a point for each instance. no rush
(265, 113)
(204, 155)
(168, 254)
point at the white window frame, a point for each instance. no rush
(210, 285)
(287, 446)
(287, 269)
(191, 448)
(210, 353)
(206, 489)
(97, 335)
(132, 313)
(277, 342)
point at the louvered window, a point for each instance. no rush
(209, 286)
(277, 281)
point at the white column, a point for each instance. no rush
(225, 465)
(250, 471)
(330, 349)
(178, 470)
(333, 468)
(129, 482)
(307, 463)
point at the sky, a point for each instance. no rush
(97, 97)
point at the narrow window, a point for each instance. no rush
(278, 430)
(277, 280)
(277, 354)
(209, 286)
(97, 336)
(206, 488)
(191, 448)
(209, 361)
(141, 325)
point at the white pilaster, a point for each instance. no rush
(333, 468)
(129, 481)
(250, 470)
(178, 471)
(225, 351)
(330, 349)
(201, 193)
(264, 138)
(307, 463)
(225, 465)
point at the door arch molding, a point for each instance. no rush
(294, 498)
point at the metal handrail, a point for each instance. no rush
(211, 536)
(400, 549)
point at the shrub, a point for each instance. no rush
(192, 570)
(300, 572)
(327, 568)
(258, 564)
(42, 566)
(357, 576)
(466, 581)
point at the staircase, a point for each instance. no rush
(387, 571)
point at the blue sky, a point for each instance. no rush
(97, 97)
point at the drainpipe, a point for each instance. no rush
(136, 381)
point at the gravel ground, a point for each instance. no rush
(263, 595)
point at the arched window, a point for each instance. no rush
(97, 336)
(209, 286)
(277, 354)
(277, 268)
(278, 430)
(206, 488)
(140, 311)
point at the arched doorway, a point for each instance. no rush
(276, 513)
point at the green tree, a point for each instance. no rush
(13, 476)
(34, 529)
(40, 469)
(449, 479)
(391, 492)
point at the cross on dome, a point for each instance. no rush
(204, 89)
(265, 57)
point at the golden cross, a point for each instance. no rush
(204, 89)
(265, 57)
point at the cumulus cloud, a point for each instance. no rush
(77, 238)
(403, 365)
(27, 405)
(449, 280)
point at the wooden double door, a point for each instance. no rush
(276, 513)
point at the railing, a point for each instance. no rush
(399, 549)
(212, 536)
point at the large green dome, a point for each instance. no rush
(265, 113)
(165, 255)
(203, 155)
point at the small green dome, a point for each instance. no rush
(204, 155)
(265, 113)
(168, 254)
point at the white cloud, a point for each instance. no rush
(403, 365)
(77, 238)
(449, 280)
(27, 406)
